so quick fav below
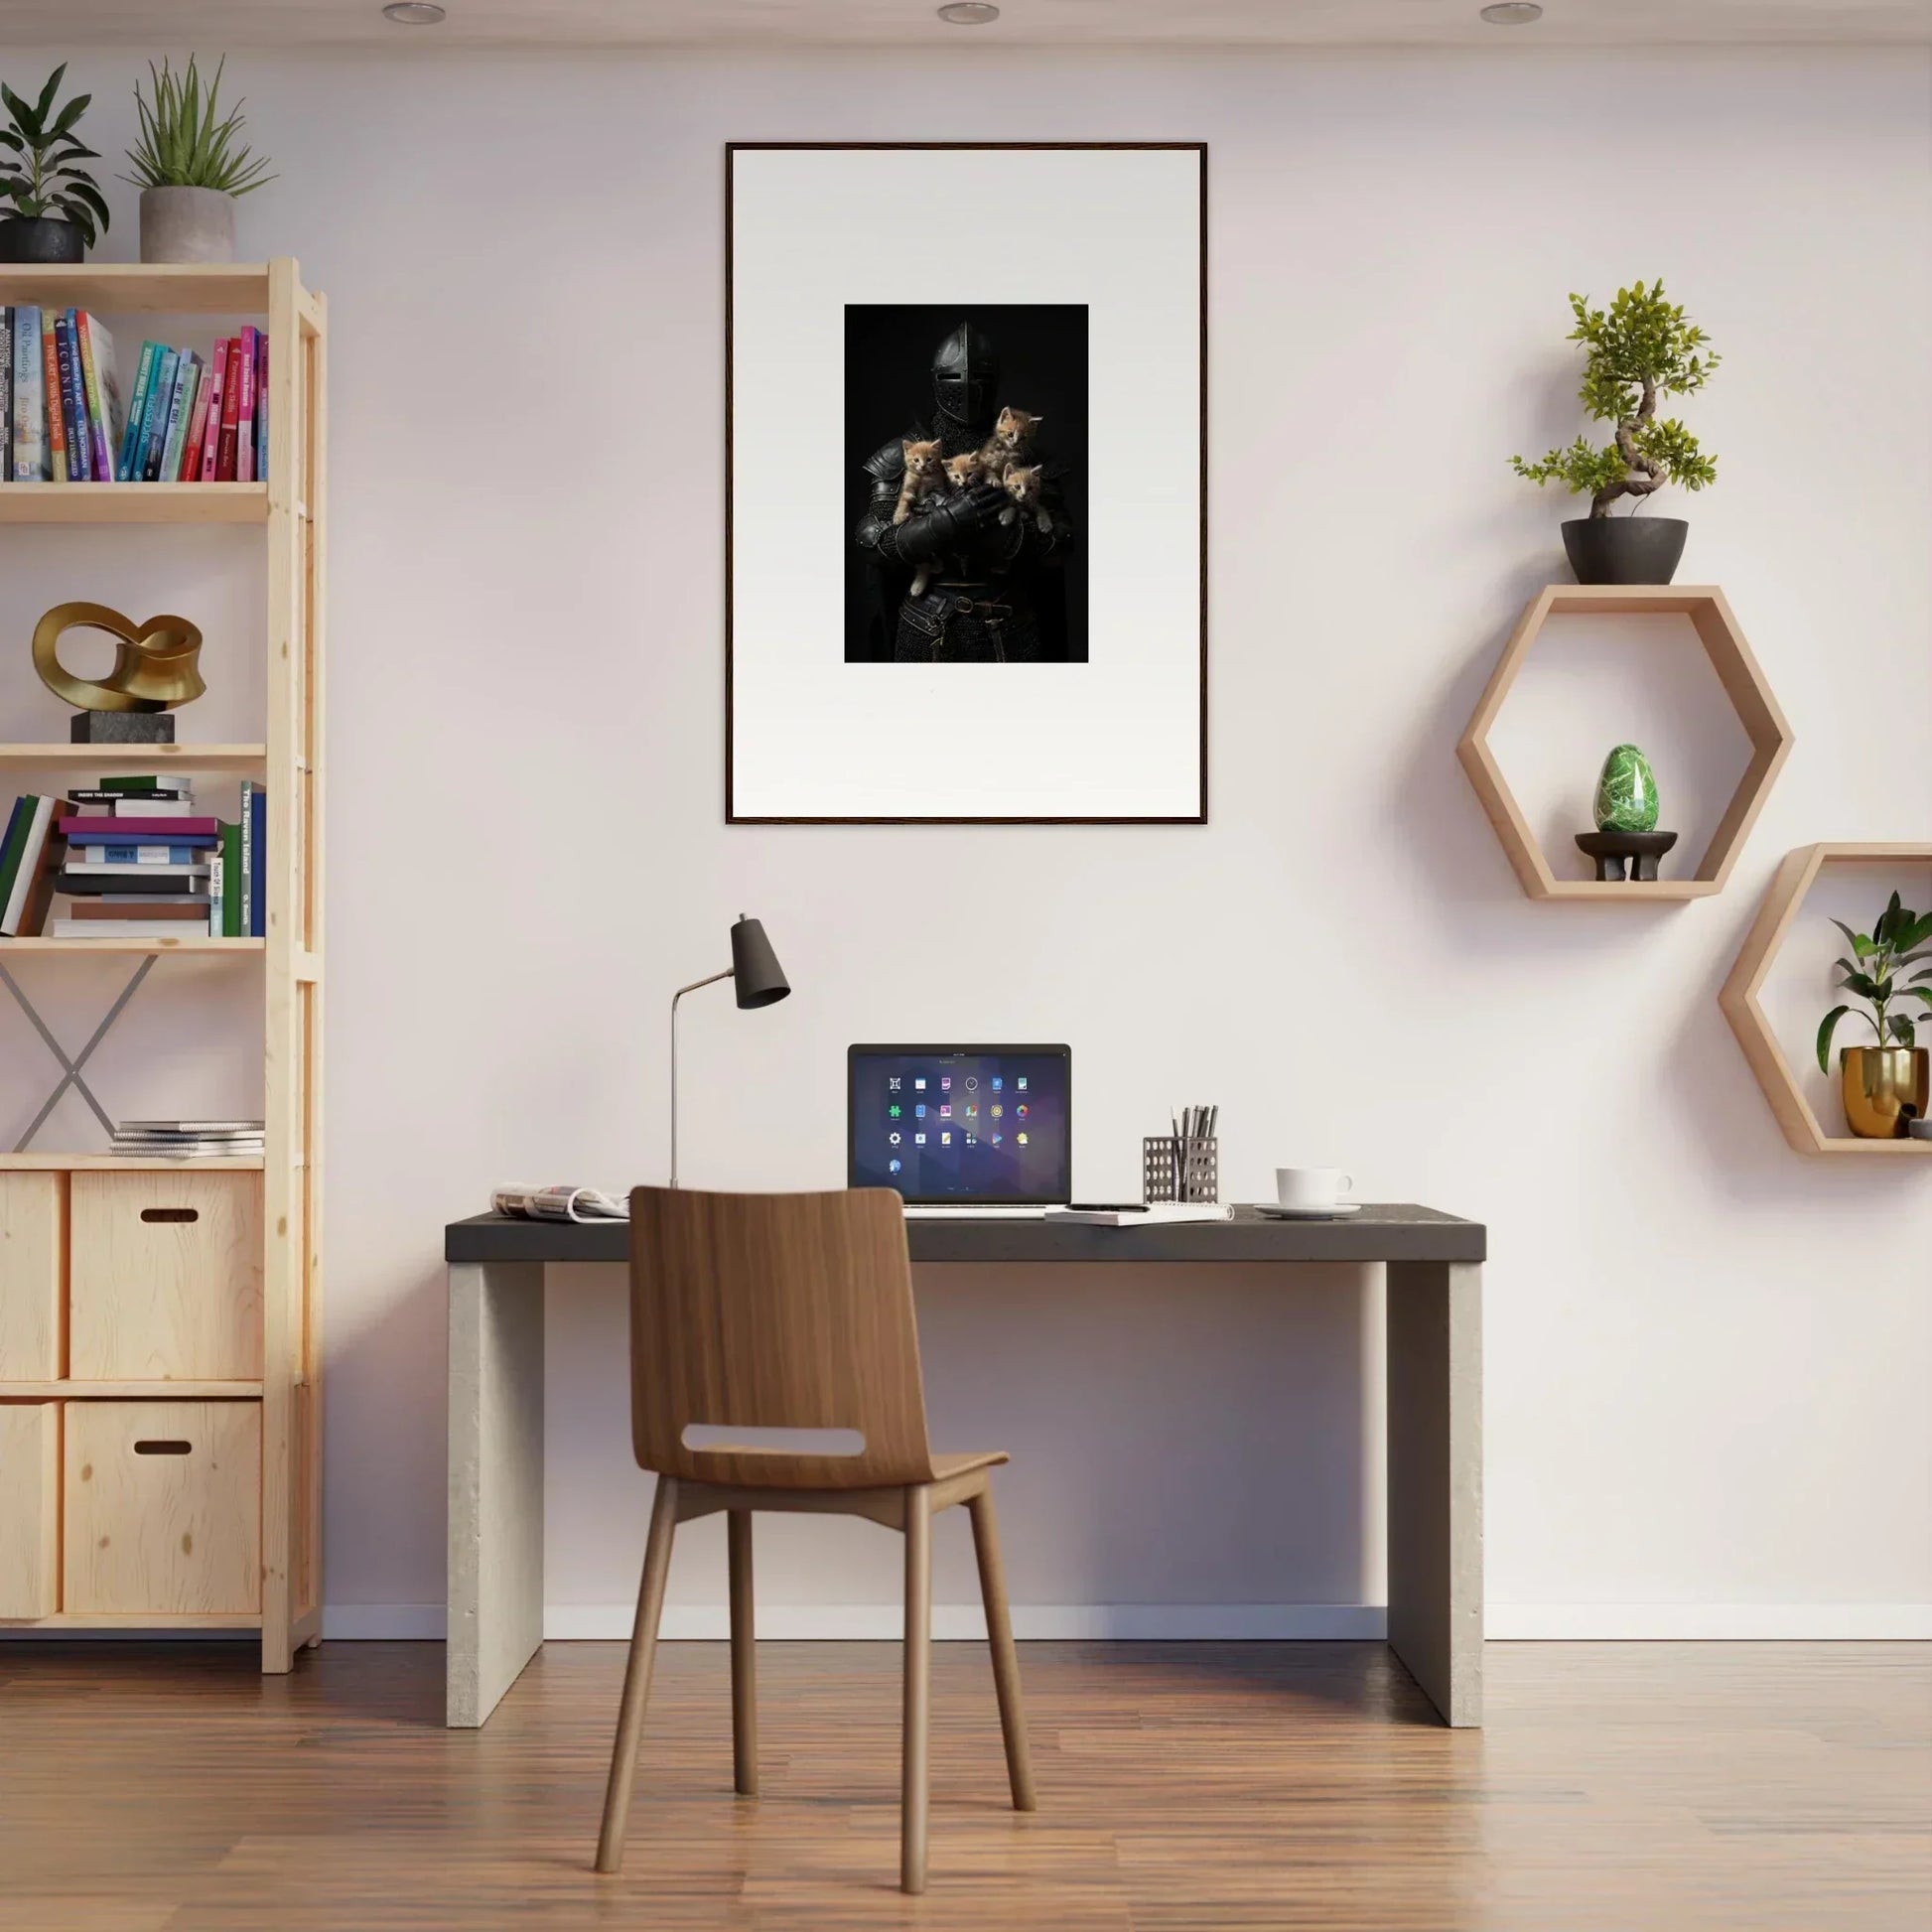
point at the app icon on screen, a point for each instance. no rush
(918, 1140)
(892, 1167)
(918, 1109)
(1020, 1111)
(995, 1140)
(945, 1083)
(892, 1083)
(946, 1112)
(919, 1082)
(1021, 1083)
(997, 1110)
(893, 1137)
(972, 1111)
(972, 1081)
(1021, 1138)
(998, 1083)
(970, 1142)
(892, 1111)
(945, 1140)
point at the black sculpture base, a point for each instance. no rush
(122, 727)
(1612, 849)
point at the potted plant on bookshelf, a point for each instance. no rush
(51, 210)
(1885, 1086)
(1637, 351)
(188, 168)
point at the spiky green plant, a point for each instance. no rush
(38, 150)
(185, 141)
(1896, 942)
(1637, 351)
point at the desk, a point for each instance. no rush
(1435, 1406)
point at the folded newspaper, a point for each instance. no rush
(559, 1204)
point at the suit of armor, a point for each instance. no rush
(994, 590)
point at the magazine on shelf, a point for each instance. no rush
(559, 1203)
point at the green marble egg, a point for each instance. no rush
(1626, 792)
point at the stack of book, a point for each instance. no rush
(186, 1140)
(137, 862)
(188, 419)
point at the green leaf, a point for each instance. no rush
(1919, 993)
(1859, 943)
(1826, 1026)
(1903, 1031)
(1863, 985)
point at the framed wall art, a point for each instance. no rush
(967, 483)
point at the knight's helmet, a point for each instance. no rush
(966, 377)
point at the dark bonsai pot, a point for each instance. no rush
(26, 239)
(1624, 549)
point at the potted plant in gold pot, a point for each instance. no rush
(1885, 1085)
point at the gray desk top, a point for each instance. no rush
(1384, 1231)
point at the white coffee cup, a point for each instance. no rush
(1312, 1188)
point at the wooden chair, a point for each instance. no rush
(794, 1312)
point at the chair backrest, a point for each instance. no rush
(770, 1311)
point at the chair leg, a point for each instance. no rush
(1005, 1660)
(745, 1694)
(918, 1689)
(637, 1676)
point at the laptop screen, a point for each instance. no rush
(962, 1123)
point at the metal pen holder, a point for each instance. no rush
(1173, 1171)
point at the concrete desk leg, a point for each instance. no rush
(1434, 1328)
(495, 1581)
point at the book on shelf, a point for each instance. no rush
(150, 1139)
(136, 861)
(189, 418)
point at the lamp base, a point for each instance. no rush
(122, 727)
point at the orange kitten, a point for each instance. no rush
(1022, 484)
(1012, 442)
(921, 479)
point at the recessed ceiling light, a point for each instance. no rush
(969, 13)
(414, 13)
(1512, 13)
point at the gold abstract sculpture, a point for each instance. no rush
(154, 663)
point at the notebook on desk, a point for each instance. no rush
(962, 1130)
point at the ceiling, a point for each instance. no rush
(901, 23)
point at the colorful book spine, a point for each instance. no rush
(17, 823)
(135, 853)
(189, 469)
(217, 372)
(154, 831)
(104, 393)
(137, 405)
(258, 864)
(33, 882)
(244, 464)
(179, 411)
(161, 399)
(73, 406)
(30, 404)
(224, 467)
(229, 889)
(261, 406)
(6, 395)
(56, 415)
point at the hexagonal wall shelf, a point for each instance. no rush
(1738, 997)
(1744, 683)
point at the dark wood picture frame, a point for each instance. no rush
(735, 148)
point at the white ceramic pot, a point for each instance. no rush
(187, 225)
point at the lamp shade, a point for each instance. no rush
(757, 976)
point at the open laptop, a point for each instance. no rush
(962, 1130)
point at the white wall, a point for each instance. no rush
(1707, 1357)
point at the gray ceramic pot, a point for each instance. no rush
(1624, 549)
(187, 225)
(40, 239)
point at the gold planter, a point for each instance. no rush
(1883, 1088)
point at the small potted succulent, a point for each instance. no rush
(51, 210)
(1637, 351)
(188, 168)
(1885, 1085)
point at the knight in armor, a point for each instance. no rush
(994, 591)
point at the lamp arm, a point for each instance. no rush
(675, 998)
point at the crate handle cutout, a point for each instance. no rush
(171, 1213)
(773, 1442)
(164, 1446)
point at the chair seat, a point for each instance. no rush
(944, 1468)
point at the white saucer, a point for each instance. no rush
(1270, 1211)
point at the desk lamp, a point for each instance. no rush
(759, 981)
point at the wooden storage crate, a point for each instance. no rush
(33, 1252)
(30, 1527)
(162, 1507)
(165, 1278)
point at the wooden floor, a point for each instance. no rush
(1631, 1788)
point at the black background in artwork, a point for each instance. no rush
(888, 386)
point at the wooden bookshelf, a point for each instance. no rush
(1719, 637)
(285, 512)
(1738, 998)
(134, 503)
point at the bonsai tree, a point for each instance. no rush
(1896, 942)
(185, 140)
(38, 150)
(1640, 350)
